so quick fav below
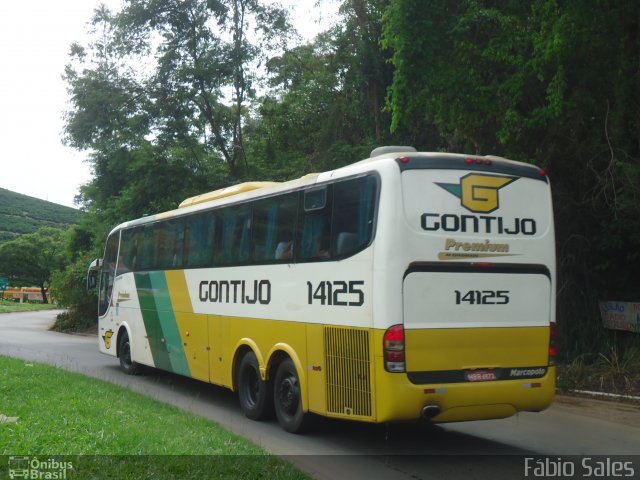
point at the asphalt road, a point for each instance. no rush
(335, 450)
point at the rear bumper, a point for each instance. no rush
(398, 399)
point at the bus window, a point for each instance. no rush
(108, 273)
(128, 249)
(177, 260)
(236, 235)
(147, 261)
(316, 223)
(167, 237)
(315, 199)
(199, 239)
(353, 215)
(274, 227)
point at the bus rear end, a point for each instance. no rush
(476, 339)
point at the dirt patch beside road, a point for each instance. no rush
(623, 413)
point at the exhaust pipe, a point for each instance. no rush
(430, 411)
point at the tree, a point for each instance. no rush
(31, 259)
(197, 63)
(150, 105)
(159, 131)
(325, 107)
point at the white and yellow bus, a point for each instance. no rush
(405, 286)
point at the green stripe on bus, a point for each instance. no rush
(151, 321)
(168, 324)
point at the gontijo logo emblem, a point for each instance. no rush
(477, 192)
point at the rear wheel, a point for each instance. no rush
(127, 365)
(256, 395)
(287, 398)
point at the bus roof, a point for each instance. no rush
(225, 192)
(248, 190)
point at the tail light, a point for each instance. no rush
(553, 332)
(393, 345)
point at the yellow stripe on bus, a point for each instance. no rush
(464, 348)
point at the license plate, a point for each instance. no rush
(481, 375)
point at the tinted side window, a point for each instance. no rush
(274, 228)
(316, 225)
(236, 235)
(353, 215)
(150, 245)
(199, 240)
(170, 244)
(128, 249)
(108, 273)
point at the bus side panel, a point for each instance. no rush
(151, 319)
(193, 328)
(194, 333)
(316, 372)
(220, 354)
(124, 310)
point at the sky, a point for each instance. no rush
(34, 44)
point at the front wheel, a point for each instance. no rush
(287, 398)
(127, 365)
(256, 396)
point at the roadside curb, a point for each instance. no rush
(605, 395)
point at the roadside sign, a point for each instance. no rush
(4, 283)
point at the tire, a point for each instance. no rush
(256, 395)
(287, 398)
(127, 365)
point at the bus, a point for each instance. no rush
(402, 287)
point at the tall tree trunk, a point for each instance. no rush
(43, 292)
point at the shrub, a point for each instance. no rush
(69, 288)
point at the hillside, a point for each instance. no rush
(21, 214)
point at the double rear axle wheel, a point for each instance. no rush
(259, 399)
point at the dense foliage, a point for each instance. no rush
(32, 258)
(550, 82)
(176, 98)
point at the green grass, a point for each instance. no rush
(106, 431)
(8, 306)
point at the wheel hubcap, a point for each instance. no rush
(289, 395)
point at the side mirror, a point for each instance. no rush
(92, 273)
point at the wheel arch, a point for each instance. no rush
(244, 346)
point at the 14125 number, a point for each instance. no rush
(482, 297)
(337, 292)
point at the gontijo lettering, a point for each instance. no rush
(235, 291)
(477, 224)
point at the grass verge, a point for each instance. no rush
(111, 432)
(8, 306)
